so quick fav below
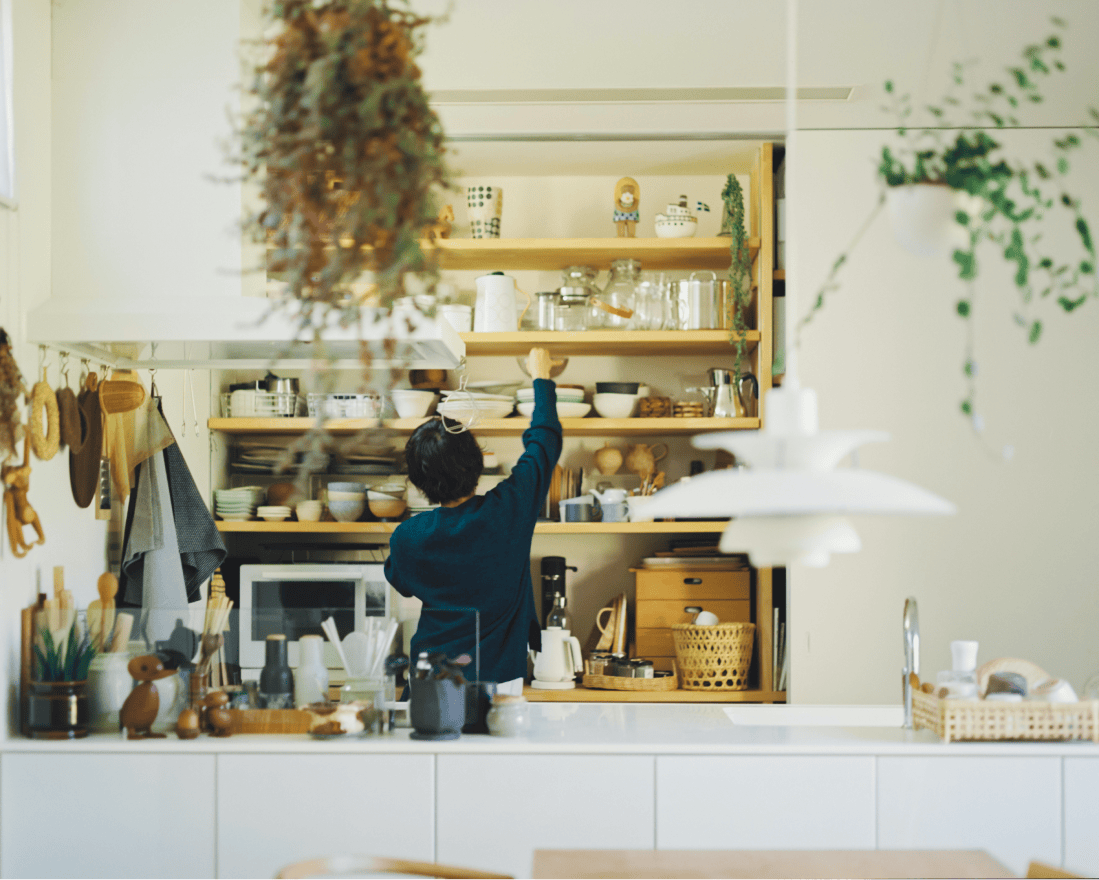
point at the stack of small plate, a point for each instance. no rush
(274, 512)
(236, 505)
(464, 404)
(570, 402)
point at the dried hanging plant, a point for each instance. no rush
(11, 389)
(345, 151)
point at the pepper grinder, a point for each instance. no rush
(276, 680)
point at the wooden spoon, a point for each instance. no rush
(108, 589)
(121, 393)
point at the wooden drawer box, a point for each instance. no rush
(662, 594)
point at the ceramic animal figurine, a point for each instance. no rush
(139, 711)
(441, 227)
(19, 513)
(187, 725)
(627, 207)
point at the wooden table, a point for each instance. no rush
(766, 863)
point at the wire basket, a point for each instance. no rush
(261, 404)
(713, 658)
(344, 406)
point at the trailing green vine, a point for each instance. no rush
(740, 269)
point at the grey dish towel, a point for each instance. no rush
(200, 547)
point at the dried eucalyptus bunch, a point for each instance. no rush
(345, 148)
(11, 389)
(346, 154)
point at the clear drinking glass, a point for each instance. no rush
(651, 311)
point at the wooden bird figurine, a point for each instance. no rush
(217, 713)
(139, 711)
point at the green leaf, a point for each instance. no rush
(970, 368)
(963, 308)
(1085, 234)
(1035, 332)
(1062, 165)
(967, 407)
(961, 217)
(1069, 304)
(967, 264)
(889, 86)
(1086, 268)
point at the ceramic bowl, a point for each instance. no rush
(274, 517)
(617, 387)
(411, 403)
(615, 406)
(310, 511)
(281, 493)
(565, 409)
(386, 507)
(346, 510)
(396, 490)
(347, 487)
(346, 496)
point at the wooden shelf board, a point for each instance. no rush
(551, 254)
(624, 343)
(679, 527)
(581, 694)
(586, 427)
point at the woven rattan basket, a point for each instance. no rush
(713, 658)
(959, 720)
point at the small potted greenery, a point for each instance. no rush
(952, 186)
(57, 703)
(740, 270)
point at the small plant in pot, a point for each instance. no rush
(57, 704)
(953, 186)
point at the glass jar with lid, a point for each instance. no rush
(573, 309)
(620, 295)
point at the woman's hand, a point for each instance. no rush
(539, 363)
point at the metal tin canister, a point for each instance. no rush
(641, 668)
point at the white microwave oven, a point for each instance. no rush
(294, 599)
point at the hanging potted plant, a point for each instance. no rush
(346, 154)
(951, 187)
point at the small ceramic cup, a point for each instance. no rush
(485, 204)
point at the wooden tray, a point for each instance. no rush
(621, 683)
(268, 721)
(981, 720)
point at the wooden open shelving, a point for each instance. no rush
(601, 343)
(512, 426)
(581, 694)
(553, 254)
(676, 527)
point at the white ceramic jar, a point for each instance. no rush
(311, 676)
(509, 716)
(109, 683)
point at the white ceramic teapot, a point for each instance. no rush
(556, 665)
(495, 311)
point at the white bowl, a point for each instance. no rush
(411, 403)
(615, 406)
(310, 511)
(274, 517)
(397, 490)
(565, 409)
(346, 510)
(346, 496)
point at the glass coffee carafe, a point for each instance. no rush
(620, 295)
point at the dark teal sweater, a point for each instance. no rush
(477, 556)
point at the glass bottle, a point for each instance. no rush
(558, 616)
(620, 295)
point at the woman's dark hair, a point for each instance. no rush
(444, 466)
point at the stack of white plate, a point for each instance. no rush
(236, 505)
(274, 513)
(462, 405)
(570, 402)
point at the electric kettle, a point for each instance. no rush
(495, 311)
(556, 665)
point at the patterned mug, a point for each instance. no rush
(485, 204)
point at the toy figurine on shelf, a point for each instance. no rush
(139, 711)
(627, 207)
(440, 228)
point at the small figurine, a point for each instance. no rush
(139, 711)
(677, 221)
(17, 480)
(627, 207)
(217, 713)
(441, 227)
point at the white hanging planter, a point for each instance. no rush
(922, 217)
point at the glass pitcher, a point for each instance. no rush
(620, 295)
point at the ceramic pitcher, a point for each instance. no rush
(642, 458)
(495, 311)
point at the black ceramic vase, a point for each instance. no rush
(437, 709)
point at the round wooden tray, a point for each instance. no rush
(621, 683)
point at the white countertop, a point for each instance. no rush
(631, 728)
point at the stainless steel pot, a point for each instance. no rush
(280, 386)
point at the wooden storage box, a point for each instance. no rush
(662, 594)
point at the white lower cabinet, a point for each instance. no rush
(273, 810)
(767, 802)
(1082, 816)
(495, 810)
(107, 815)
(1010, 807)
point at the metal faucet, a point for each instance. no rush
(911, 656)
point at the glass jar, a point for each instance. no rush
(573, 309)
(620, 295)
(651, 311)
(545, 316)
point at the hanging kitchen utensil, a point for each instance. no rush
(43, 402)
(122, 393)
(84, 462)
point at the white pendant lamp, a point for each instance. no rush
(791, 503)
